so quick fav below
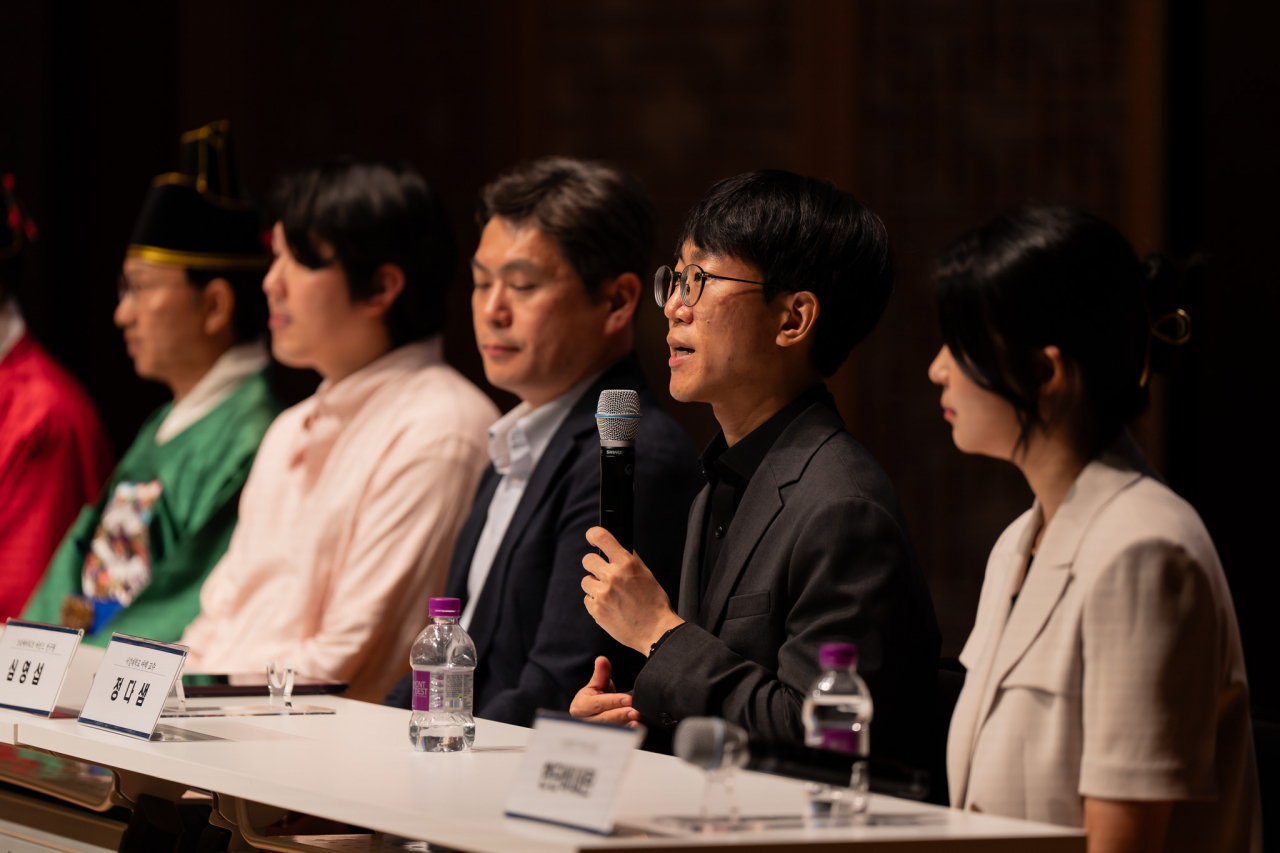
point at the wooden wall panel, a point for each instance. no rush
(938, 114)
(967, 109)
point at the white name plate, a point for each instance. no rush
(34, 658)
(133, 680)
(572, 772)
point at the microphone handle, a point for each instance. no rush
(835, 768)
(618, 491)
(795, 762)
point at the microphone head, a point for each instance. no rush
(710, 743)
(618, 415)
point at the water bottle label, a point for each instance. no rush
(840, 740)
(421, 690)
(442, 690)
(452, 691)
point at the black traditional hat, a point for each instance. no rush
(201, 218)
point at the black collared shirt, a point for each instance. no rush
(730, 469)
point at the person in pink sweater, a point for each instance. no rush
(348, 519)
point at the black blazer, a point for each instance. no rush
(536, 643)
(818, 551)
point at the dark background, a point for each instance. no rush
(1158, 116)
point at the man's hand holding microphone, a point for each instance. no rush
(626, 600)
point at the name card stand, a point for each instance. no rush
(291, 710)
(280, 704)
(34, 658)
(134, 679)
(572, 772)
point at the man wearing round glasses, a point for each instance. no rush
(192, 313)
(797, 539)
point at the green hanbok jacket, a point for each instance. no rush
(202, 469)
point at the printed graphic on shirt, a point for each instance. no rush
(118, 566)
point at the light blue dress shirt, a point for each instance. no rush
(517, 441)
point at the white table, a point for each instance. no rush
(357, 767)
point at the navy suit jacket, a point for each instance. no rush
(535, 641)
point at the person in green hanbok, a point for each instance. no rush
(193, 316)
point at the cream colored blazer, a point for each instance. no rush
(1118, 672)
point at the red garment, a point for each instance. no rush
(54, 458)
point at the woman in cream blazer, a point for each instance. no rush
(1105, 682)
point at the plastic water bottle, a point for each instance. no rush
(444, 664)
(837, 716)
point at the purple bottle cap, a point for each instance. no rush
(446, 608)
(837, 655)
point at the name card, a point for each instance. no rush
(572, 772)
(34, 658)
(130, 687)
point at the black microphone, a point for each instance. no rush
(712, 744)
(618, 419)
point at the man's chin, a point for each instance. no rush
(143, 370)
(683, 392)
(503, 380)
(289, 356)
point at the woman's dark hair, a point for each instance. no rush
(249, 319)
(1038, 276)
(374, 212)
(599, 216)
(804, 235)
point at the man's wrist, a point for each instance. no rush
(664, 630)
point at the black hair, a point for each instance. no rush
(249, 318)
(1037, 276)
(374, 212)
(803, 234)
(599, 216)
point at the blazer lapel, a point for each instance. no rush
(761, 503)
(558, 453)
(1004, 568)
(469, 536)
(578, 424)
(1041, 591)
(1050, 574)
(690, 570)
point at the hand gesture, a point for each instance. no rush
(598, 701)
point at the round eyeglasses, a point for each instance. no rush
(692, 279)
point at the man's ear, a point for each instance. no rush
(1054, 368)
(799, 317)
(622, 294)
(388, 284)
(218, 301)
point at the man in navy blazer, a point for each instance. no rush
(557, 277)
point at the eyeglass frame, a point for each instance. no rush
(663, 296)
